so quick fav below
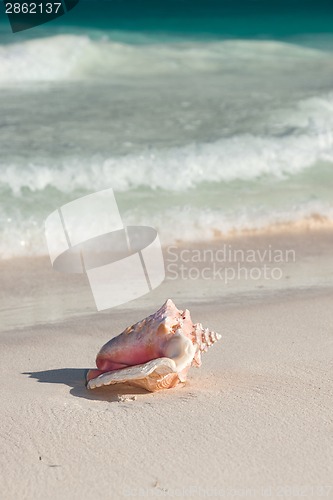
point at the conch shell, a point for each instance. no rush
(155, 353)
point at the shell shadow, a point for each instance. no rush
(76, 379)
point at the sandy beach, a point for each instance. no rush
(254, 421)
(205, 126)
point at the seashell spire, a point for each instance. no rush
(204, 337)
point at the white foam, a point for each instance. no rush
(243, 157)
(186, 224)
(182, 224)
(48, 59)
(72, 57)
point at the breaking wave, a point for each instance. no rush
(72, 57)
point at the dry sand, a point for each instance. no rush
(254, 422)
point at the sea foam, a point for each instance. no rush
(74, 57)
(244, 158)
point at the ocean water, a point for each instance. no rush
(204, 120)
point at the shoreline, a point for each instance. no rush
(33, 293)
(307, 226)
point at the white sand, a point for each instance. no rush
(254, 422)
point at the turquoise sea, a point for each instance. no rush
(204, 116)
